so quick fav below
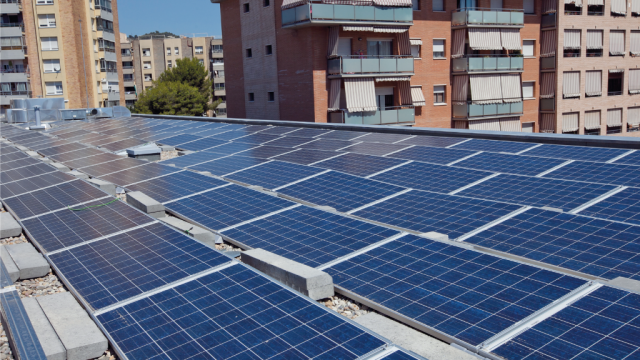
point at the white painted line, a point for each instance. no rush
(389, 169)
(527, 149)
(620, 156)
(465, 158)
(378, 201)
(410, 137)
(258, 218)
(333, 157)
(598, 199)
(474, 184)
(247, 168)
(194, 194)
(361, 251)
(301, 180)
(65, 208)
(393, 152)
(461, 142)
(554, 168)
(493, 223)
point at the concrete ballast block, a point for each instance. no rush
(146, 204)
(204, 236)
(22, 148)
(105, 186)
(79, 174)
(60, 167)
(28, 260)
(77, 332)
(51, 344)
(309, 281)
(435, 236)
(33, 154)
(9, 227)
(9, 264)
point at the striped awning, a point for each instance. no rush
(360, 94)
(334, 95)
(460, 89)
(547, 90)
(616, 71)
(571, 84)
(614, 117)
(549, 6)
(510, 124)
(572, 39)
(548, 43)
(390, 29)
(570, 122)
(511, 39)
(392, 2)
(594, 39)
(619, 7)
(635, 42)
(286, 4)
(415, 41)
(635, 7)
(633, 116)
(356, 28)
(634, 81)
(485, 39)
(404, 45)
(592, 120)
(486, 125)
(511, 88)
(460, 124)
(616, 42)
(486, 89)
(392, 78)
(548, 123)
(577, 3)
(595, 2)
(334, 32)
(349, 2)
(457, 48)
(593, 85)
(404, 90)
(417, 96)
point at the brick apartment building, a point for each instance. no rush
(510, 65)
(61, 48)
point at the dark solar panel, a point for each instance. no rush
(465, 294)
(343, 192)
(447, 214)
(61, 149)
(330, 145)
(210, 132)
(265, 152)
(257, 139)
(383, 138)
(201, 144)
(289, 141)
(309, 236)
(13, 156)
(431, 177)
(306, 156)
(46, 143)
(623, 206)
(91, 160)
(510, 164)
(178, 139)
(359, 165)
(230, 135)
(308, 132)
(433, 141)
(615, 174)
(77, 154)
(342, 135)
(631, 159)
(227, 164)
(15, 164)
(139, 173)
(431, 154)
(192, 159)
(33, 183)
(72, 133)
(371, 148)
(65, 228)
(123, 144)
(227, 206)
(592, 246)
(25, 172)
(176, 185)
(88, 137)
(125, 265)
(231, 148)
(112, 166)
(278, 130)
(98, 141)
(274, 174)
(493, 146)
(575, 152)
(234, 313)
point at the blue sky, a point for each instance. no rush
(139, 17)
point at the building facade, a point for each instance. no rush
(467, 64)
(61, 48)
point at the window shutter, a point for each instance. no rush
(528, 47)
(438, 5)
(527, 89)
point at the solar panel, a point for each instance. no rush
(591, 246)
(431, 177)
(33, 183)
(623, 206)
(359, 165)
(91, 160)
(575, 152)
(66, 228)
(139, 173)
(72, 133)
(329, 145)
(61, 149)
(88, 137)
(289, 142)
(342, 135)
(274, 174)
(45, 144)
(123, 144)
(447, 214)
(400, 355)
(602, 325)
(231, 148)
(227, 164)
(631, 159)
(112, 166)
(493, 146)
(234, 313)
(343, 192)
(192, 159)
(384, 138)
(201, 144)
(603, 173)
(535, 191)
(230, 135)
(227, 206)
(53, 198)
(178, 139)
(119, 267)
(13, 156)
(433, 141)
(265, 152)
(465, 294)
(257, 139)
(99, 141)
(371, 148)
(77, 154)
(25, 172)
(176, 185)
(511, 164)
(431, 154)
(306, 156)
(278, 130)
(308, 132)
(20, 163)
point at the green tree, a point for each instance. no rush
(191, 72)
(172, 98)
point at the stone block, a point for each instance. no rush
(51, 344)
(28, 260)
(79, 175)
(105, 186)
(78, 333)
(204, 236)
(141, 201)
(167, 148)
(435, 236)
(21, 147)
(9, 264)
(60, 167)
(144, 150)
(314, 283)
(33, 154)
(9, 227)
(185, 152)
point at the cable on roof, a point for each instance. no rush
(94, 206)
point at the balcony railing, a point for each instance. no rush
(471, 110)
(100, 28)
(10, 2)
(479, 63)
(614, 93)
(14, 71)
(333, 13)
(548, 20)
(16, 93)
(547, 63)
(489, 17)
(11, 24)
(394, 115)
(363, 64)
(547, 104)
(216, 51)
(127, 67)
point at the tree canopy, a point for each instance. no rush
(155, 33)
(189, 71)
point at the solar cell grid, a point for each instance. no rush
(227, 164)
(234, 313)
(13, 156)
(101, 140)
(309, 236)
(289, 142)
(510, 164)
(257, 139)
(72, 133)
(33, 183)
(88, 137)
(178, 139)
(433, 141)
(25, 172)
(603, 173)
(591, 246)
(306, 156)
(631, 159)
(493, 146)
(462, 293)
(623, 206)
(123, 144)
(274, 174)
(359, 165)
(329, 145)
(575, 152)
(231, 148)
(384, 138)
(447, 214)
(119, 267)
(210, 132)
(431, 154)
(91, 160)
(19, 163)
(139, 173)
(201, 144)
(176, 185)
(77, 154)
(601, 325)
(43, 143)
(308, 132)
(342, 135)
(371, 148)
(278, 130)
(192, 159)
(112, 166)
(265, 152)
(230, 135)
(6, 149)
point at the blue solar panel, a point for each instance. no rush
(575, 152)
(274, 174)
(308, 132)
(493, 146)
(342, 135)
(614, 174)
(623, 206)
(462, 293)
(176, 185)
(372, 148)
(631, 159)
(602, 325)
(234, 313)
(592, 246)
(289, 142)
(210, 132)
(447, 214)
(510, 164)
(359, 165)
(329, 145)
(279, 130)
(33, 183)
(257, 139)
(384, 138)
(178, 139)
(306, 156)
(230, 135)
(117, 268)
(13, 156)
(6, 166)
(202, 144)
(309, 236)
(139, 173)
(535, 191)
(192, 159)
(227, 164)
(25, 172)
(227, 206)
(231, 148)
(431, 154)
(265, 152)
(431, 177)
(343, 192)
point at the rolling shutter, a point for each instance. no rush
(592, 120)
(460, 89)
(548, 45)
(594, 83)
(614, 117)
(570, 122)
(334, 95)
(634, 81)
(616, 42)
(571, 84)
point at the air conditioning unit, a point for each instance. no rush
(100, 112)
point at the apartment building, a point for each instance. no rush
(129, 84)
(53, 48)
(467, 64)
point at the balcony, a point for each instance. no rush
(488, 63)
(130, 95)
(395, 115)
(113, 96)
(14, 75)
(10, 7)
(362, 65)
(548, 21)
(471, 110)
(484, 17)
(127, 58)
(548, 63)
(7, 96)
(332, 14)
(547, 104)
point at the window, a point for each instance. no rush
(251, 97)
(595, 10)
(245, 7)
(271, 96)
(216, 48)
(146, 65)
(201, 61)
(218, 61)
(528, 48)
(248, 53)
(529, 6)
(437, 5)
(105, 25)
(218, 86)
(106, 45)
(51, 66)
(218, 73)
(168, 51)
(47, 20)
(415, 51)
(146, 52)
(148, 77)
(44, 2)
(527, 89)
(49, 43)
(438, 94)
(268, 50)
(169, 65)
(11, 43)
(615, 82)
(266, 3)
(379, 47)
(54, 88)
(438, 49)
(199, 50)
(108, 66)
(415, 4)
(176, 51)
(572, 9)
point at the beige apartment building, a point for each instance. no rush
(55, 48)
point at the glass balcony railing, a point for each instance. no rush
(471, 110)
(547, 63)
(547, 104)
(548, 20)
(489, 17)
(480, 63)
(394, 115)
(362, 64)
(333, 13)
